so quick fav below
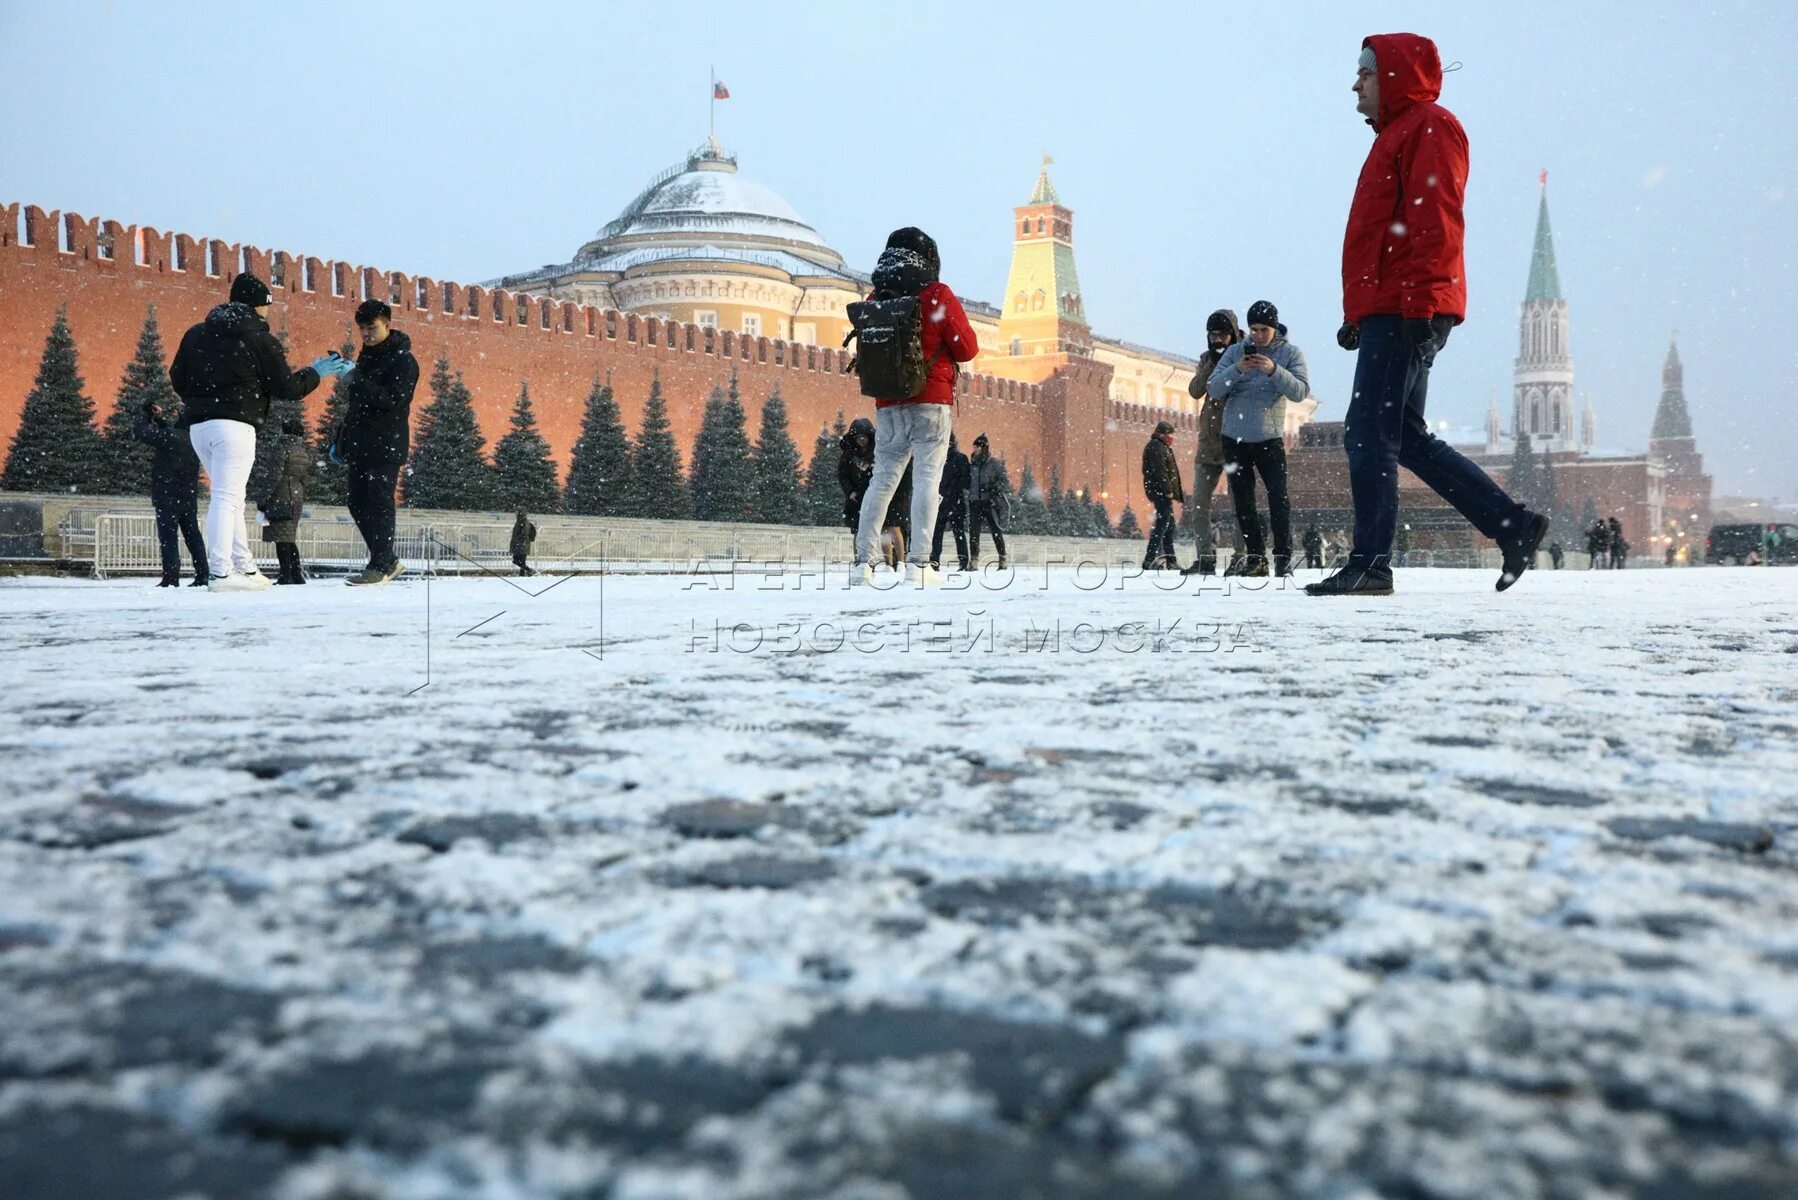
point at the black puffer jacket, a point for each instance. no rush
(855, 469)
(230, 367)
(174, 467)
(1161, 471)
(377, 428)
(954, 487)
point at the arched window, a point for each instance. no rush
(1018, 304)
(1017, 344)
(1037, 300)
(1039, 224)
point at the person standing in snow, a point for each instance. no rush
(1162, 488)
(229, 371)
(287, 500)
(174, 491)
(914, 430)
(1404, 289)
(1313, 542)
(987, 493)
(376, 435)
(1221, 332)
(1254, 381)
(1619, 547)
(952, 508)
(855, 467)
(524, 532)
(1598, 546)
(1556, 554)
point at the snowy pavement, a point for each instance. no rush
(653, 887)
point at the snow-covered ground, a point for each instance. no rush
(711, 888)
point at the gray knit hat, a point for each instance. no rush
(1366, 61)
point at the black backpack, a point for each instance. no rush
(889, 356)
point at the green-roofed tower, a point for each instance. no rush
(1044, 313)
(1542, 402)
(1545, 280)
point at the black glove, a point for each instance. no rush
(1420, 333)
(1349, 336)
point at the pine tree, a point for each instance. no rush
(729, 491)
(1521, 481)
(330, 481)
(699, 477)
(56, 448)
(523, 474)
(778, 496)
(599, 469)
(1549, 492)
(146, 381)
(1059, 519)
(657, 489)
(1029, 512)
(449, 465)
(1128, 525)
(823, 495)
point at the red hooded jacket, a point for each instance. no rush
(1402, 250)
(948, 340)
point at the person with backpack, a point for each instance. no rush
(1161, 485)
(524, 532)
(174, 491)
(229, 371)
(1254, 381)
(952, 508)
(287, 500)
(376, 435)
(911, 338)
(988, 494)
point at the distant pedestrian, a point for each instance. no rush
(1313, 542)
(1221, 332)
(1254, 381)
(174, 490)
(1404, 291)
(376, 435)
(952, 508)
(1619, 547)
(1672, 554)
(229, 371)
(524, 532)
(1598, 546)
(1556, 554)
(286, 502)
(989, 493)
(1161, 486)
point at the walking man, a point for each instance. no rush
(174, 491)
(1221, 332)
(1404, 290)
(987, 493)
(524, 532)
(1254, 381)
(229, 372)
(952, 508)
(376, 436)
(1556, 554)
(1161, 485)
(914, 430)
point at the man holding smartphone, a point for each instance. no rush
(376, 435)
(1404, 289)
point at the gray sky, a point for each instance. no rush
(1208, 151)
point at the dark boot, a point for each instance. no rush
(170, 581)
(1522, 552)
(1352, 581)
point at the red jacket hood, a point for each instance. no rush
(1410, 73)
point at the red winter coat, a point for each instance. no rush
(948, 339)
(1402, 251)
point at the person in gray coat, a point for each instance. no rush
(1255, 380)
(286, 500)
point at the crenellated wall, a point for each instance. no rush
(108, 274)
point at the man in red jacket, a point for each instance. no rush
(915, 429)
(1404, 288)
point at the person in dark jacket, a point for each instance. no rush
(1619, 547)
(229, 371)
(988, 493)
(287, 500)
(1314, 548)
(1556, 554)
(1598, 546)
(952, 507)
(1404, 289)
(1221, 332)
(855, 468)
(1161, 484)
(376, 435)
(174, 491)
(1255, 380)
(524, 532)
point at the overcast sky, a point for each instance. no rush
(1208, 151)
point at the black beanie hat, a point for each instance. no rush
(918, 242)
(368, 310)
(1221, 321)
(1164, 427)
(247, 289)
(1263, 312)
(981, 440)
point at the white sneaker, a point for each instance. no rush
(861, 575)
(923, 575)
(235, 582)
(257, 579)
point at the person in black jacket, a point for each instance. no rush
(376, 434)
(952, 511)
(229, 371)
(287, 500)
(1161, 485)
(174, 491)
(855, 467)
(989, 493)
(524, 532)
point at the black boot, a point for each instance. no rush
(1522, 552)
(170, 581)
(1352, 581)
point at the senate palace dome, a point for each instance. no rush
(705, 245)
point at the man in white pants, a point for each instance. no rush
(915, 429)
(228, 372)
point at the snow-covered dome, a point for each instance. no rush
(706, 201)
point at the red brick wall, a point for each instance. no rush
(47, 260)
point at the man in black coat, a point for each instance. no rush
(229, 371)
(855, 468)
(952, 511)
(524, 532)
(988, 495)
(1161, 484)
(376, 435)
(174, 491)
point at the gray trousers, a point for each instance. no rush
(917, 433)
(1204, 490)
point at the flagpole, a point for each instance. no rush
(712, 115)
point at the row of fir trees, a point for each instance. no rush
(59, 447)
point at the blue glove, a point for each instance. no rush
(331, 364)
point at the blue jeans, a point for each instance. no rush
(1385, 430)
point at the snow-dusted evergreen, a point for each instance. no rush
(780, 497)
(146, 381)
(524, 474)
(599, 468)
(823, 495)
(56, 447)
(449, 467)
(657, 488)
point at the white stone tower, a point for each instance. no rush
(1542, 390)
